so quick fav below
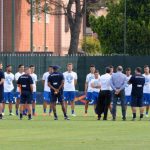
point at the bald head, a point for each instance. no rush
(120, 68)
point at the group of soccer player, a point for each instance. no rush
(61, 87)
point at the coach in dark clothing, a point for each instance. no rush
(137, 82)
(56, 84)
(25, 83)
(118, 82)
(1, 89)
(104, 98)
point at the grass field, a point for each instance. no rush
(80, 133)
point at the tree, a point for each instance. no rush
(111, 30)
(74, 10)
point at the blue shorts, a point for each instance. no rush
(89, 96)
(17, 95)
(34, 97)
(47, 96)
(9, 97)
(94, 97)
(69, 95)
(146, 99)
(127, 100)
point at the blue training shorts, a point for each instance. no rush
(69, 95)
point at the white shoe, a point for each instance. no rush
(74, 115)
(146, 116)
(12, 114)
(3, 114)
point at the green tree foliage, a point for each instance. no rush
(91, 45)
(111, 29)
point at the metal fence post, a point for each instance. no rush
(31, 27)
(13, 25)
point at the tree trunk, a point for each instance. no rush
(74, 41)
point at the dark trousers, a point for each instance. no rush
(120, 96)
(103, 103)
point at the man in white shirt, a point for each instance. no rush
(104, 99)
(128, 88)
(146, 89)
(8, 89)
(70, 81)
(34, 78)
(95, 85)
(88, 89)
(46, 93)
(17, 75)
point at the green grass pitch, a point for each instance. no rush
(80, 133)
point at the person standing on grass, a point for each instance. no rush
(56, 84)
(137, 81)
(8, 89)
(128, 88)
(111, 72)
(47, 91)
(118, 83)
(70, 81)
(34, 78)
(88, 89)
(25, 85)
(2, 77)
(96, 86)
(104, 98)
(17, 75)
(146, 89)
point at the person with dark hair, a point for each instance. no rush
(118, 83)
(34, 78)
(128, 88)
(104, 98)
(146, 89)
(95, 86)
(2, 77)
(88, 89)
(137, 82)
(47, 91)
(8, 89)
(56, 84)
(25, 86)
(17, 75)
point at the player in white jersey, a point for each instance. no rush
(88, 89)
(95, 86)
(128, 88)
(46, 93)
(34, 78)
(146, 89)
(17, 75)
(70, 80)
(8, 89)
(111, 72)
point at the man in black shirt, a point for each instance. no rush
(56, 84)
(25, 84)
(1, 89)
(137, 82)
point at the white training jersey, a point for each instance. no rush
(45, 78)
(146, 88)
(17, 75)
(34, 78)
(8, 82)
(89, 77)
(96, 82)
(69, 80)
(128, 87)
